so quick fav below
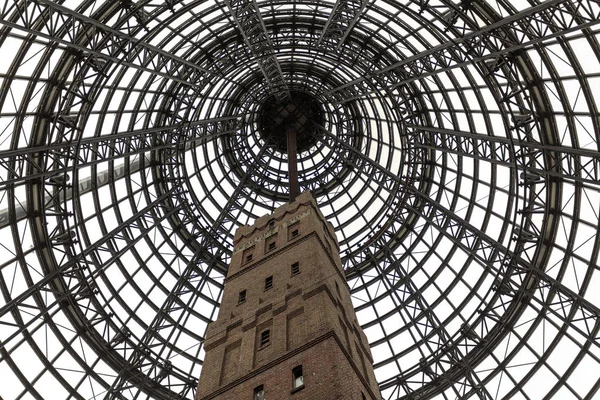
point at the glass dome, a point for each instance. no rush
(452, 145)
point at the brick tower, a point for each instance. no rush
(286, 328)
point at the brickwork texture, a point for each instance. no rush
(285, 305)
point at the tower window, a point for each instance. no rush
(293, 231)
(270, 243)
(242, 297)
(265, 338)
(295, 268)
(297, 378)
(259, 393)
(248, 255)
(271, 224)
(268, 282)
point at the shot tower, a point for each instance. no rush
(286, 327)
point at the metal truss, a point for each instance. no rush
(525, 29)
(457, 159)
(93, 150)
(183, 295)
(579, 165)
(98, 43)
(344, 15)
(514, 273)
(252, 27)
(70, 283)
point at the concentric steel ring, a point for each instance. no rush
(452, 145)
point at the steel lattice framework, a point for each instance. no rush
(456, 154)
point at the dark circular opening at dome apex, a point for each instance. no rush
(300, 112)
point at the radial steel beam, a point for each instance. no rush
(343, 16)
(84, 186)
(578, 165)
(52, 283)
(408, 298)
(523, 285)
(71, 282)
(474, 240)
(93, 39)
(94, 150)
(184, 290)
(519, 278)
(534, 25)
(252, 27)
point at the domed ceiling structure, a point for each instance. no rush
(453, 145)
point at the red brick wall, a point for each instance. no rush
(298, 309)
(327, 376)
